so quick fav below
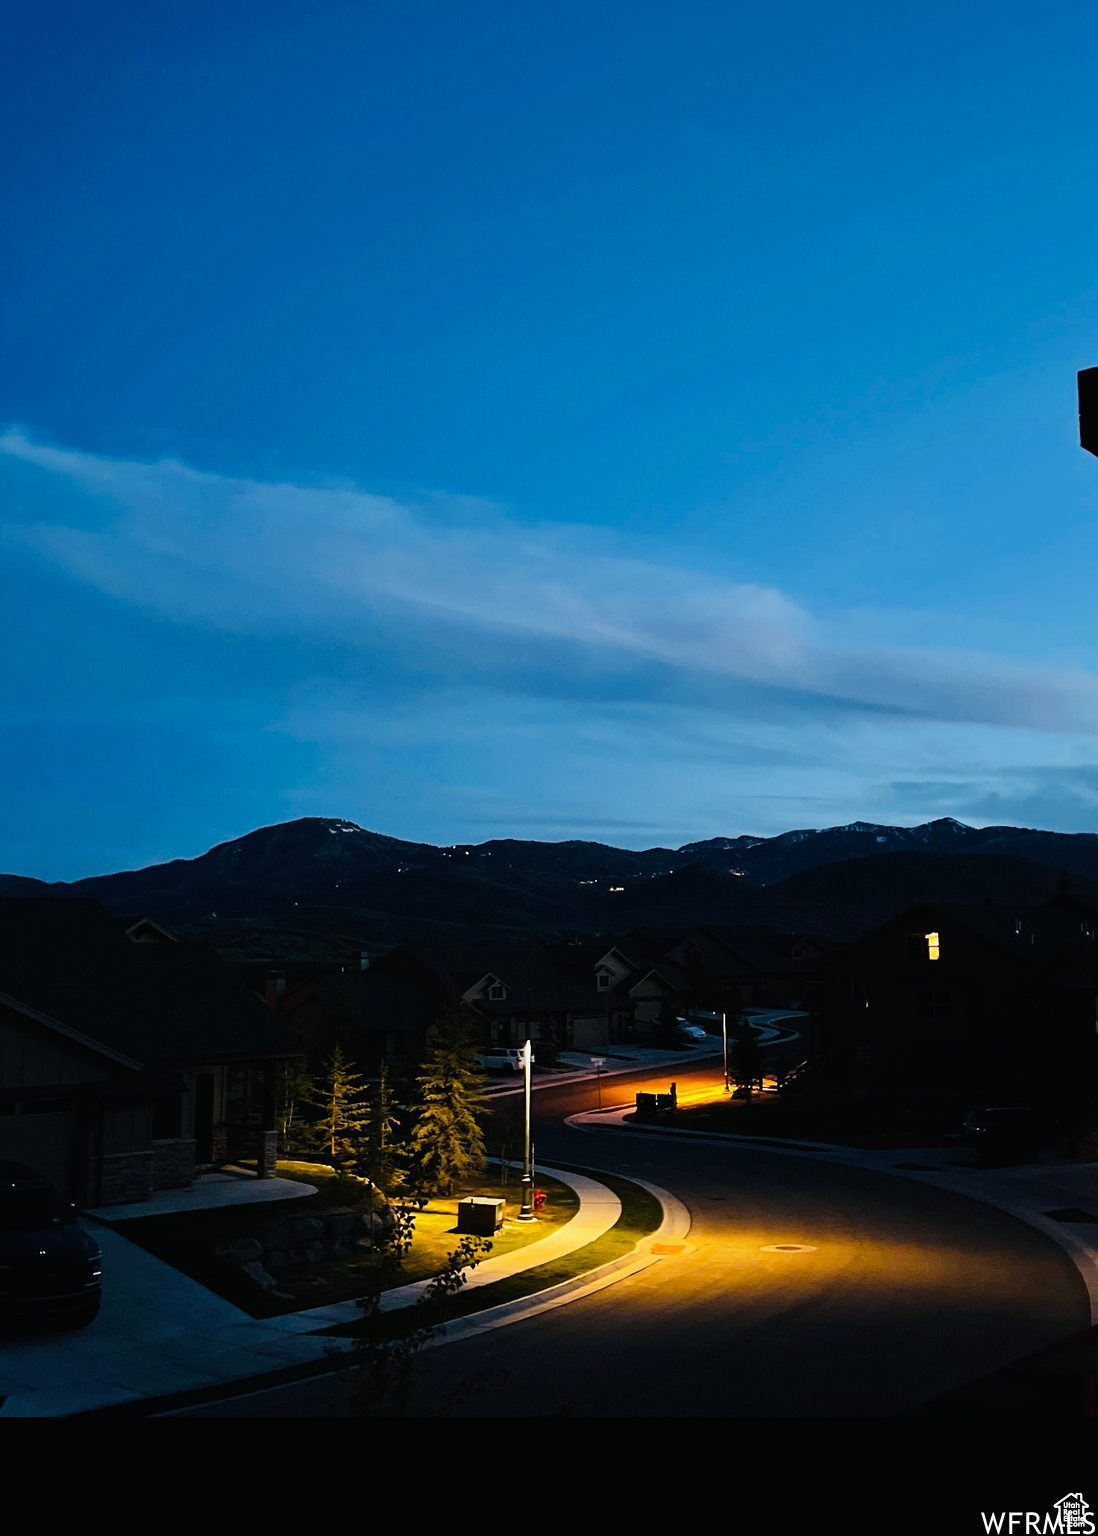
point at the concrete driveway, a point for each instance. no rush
(158, 1332)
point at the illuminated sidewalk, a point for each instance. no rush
(599, 1209)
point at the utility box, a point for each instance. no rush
(480, 1215)
(646, 1106)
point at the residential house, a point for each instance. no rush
(977, 998)
(127, 1059)
(554, 994)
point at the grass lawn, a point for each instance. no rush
(188, 1240)
(641, 1214)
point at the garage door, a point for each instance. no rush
(43, 1142)
(589, 1034)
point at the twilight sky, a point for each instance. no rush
(636, 421)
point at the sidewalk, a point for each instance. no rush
(620, 1060)
(1058, 1199)
(229, 1186)
(659, 1247)
(161, 1333)
(624, 1058)
(599, 1209)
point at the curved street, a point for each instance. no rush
(892, 1291)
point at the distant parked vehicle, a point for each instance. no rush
(50, 1268)
(501, 1059)
(1008, 1128)
(692, 1032)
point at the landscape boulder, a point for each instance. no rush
(308, 1240)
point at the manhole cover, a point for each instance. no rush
(787, 1248)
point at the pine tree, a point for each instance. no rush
(383, 1157)
(296, 1088)
(447, 1141)
(339, 1131)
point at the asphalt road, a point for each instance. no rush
(907, 1291)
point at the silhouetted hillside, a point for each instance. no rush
(873, 889)
(332, 877)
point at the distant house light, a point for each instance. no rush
(617, 887)
(933, 948)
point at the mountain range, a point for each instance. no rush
(324, 877)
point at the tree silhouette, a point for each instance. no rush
(339, 1130)
(383, 1158)
(447, 1141)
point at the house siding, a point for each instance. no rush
(32, 1057)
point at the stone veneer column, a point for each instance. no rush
(126, 1177)
(268, 1154)
(173, 1162)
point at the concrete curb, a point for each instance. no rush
(674, 1226)
(672, 1229)
(599, 1209)
(1083, 1254)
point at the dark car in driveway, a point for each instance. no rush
(1003, 1129)
(50, 1269)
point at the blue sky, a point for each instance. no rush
(641, 422)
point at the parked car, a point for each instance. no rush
(690, 1032)
(1002, 1128)
(50, 1268)
(502, 1059)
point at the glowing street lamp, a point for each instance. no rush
(527, 1211)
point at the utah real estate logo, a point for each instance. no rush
(1069, 1516)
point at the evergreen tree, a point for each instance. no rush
(339, 1130)
(296, 1088)
(383, 1157)
(447, 1141)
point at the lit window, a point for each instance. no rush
(933, 948)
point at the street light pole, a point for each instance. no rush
(724, 1044)
(527, 1211)
(598, 1062)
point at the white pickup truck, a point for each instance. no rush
(502, 1058)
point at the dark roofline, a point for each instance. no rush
(130, 923)
(71, 1034)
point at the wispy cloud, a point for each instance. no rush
(251, 557)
